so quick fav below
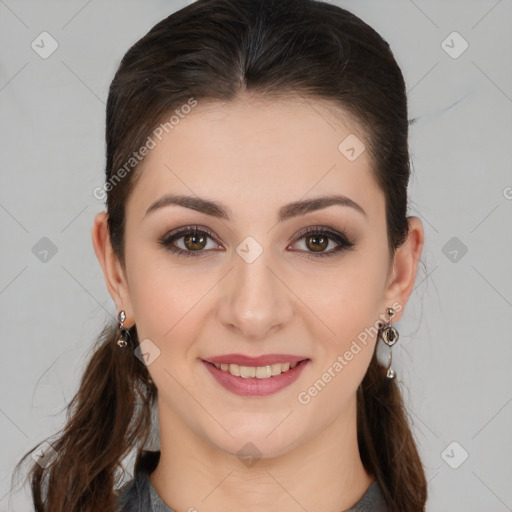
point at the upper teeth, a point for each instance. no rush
(260, 372)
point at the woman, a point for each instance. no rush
(257, 247)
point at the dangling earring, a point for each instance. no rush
(125, 335)
(390, 336)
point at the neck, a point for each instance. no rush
(324, 474)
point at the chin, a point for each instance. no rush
(254, 442)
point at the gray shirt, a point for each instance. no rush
(139, 495)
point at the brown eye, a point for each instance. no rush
(317, 239)
(317, 243)
(194, 241)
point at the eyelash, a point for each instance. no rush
(168, 239)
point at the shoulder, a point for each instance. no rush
(371, 501)
(134, 495)
(127, 499)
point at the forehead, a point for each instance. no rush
(254, 152)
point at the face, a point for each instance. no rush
(251, 281)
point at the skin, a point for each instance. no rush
(254, 156)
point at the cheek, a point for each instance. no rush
(347, 302)
(345, 298)
(345, 340)
(164, 304)
(163, 296)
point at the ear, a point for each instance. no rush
(405, 264)
(113, 270)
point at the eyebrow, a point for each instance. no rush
(286, 212)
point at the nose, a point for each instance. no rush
(255, 299)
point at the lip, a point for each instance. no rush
(253, 386)
(263, 360)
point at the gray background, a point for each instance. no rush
(455, 347)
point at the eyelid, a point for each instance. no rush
(322, 229)
(190, 229)
(175, 234)
(344, 242)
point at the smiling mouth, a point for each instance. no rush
(258, 372)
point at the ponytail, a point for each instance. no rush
(109, 415)
(386, 443)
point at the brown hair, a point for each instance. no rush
(212, 50)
